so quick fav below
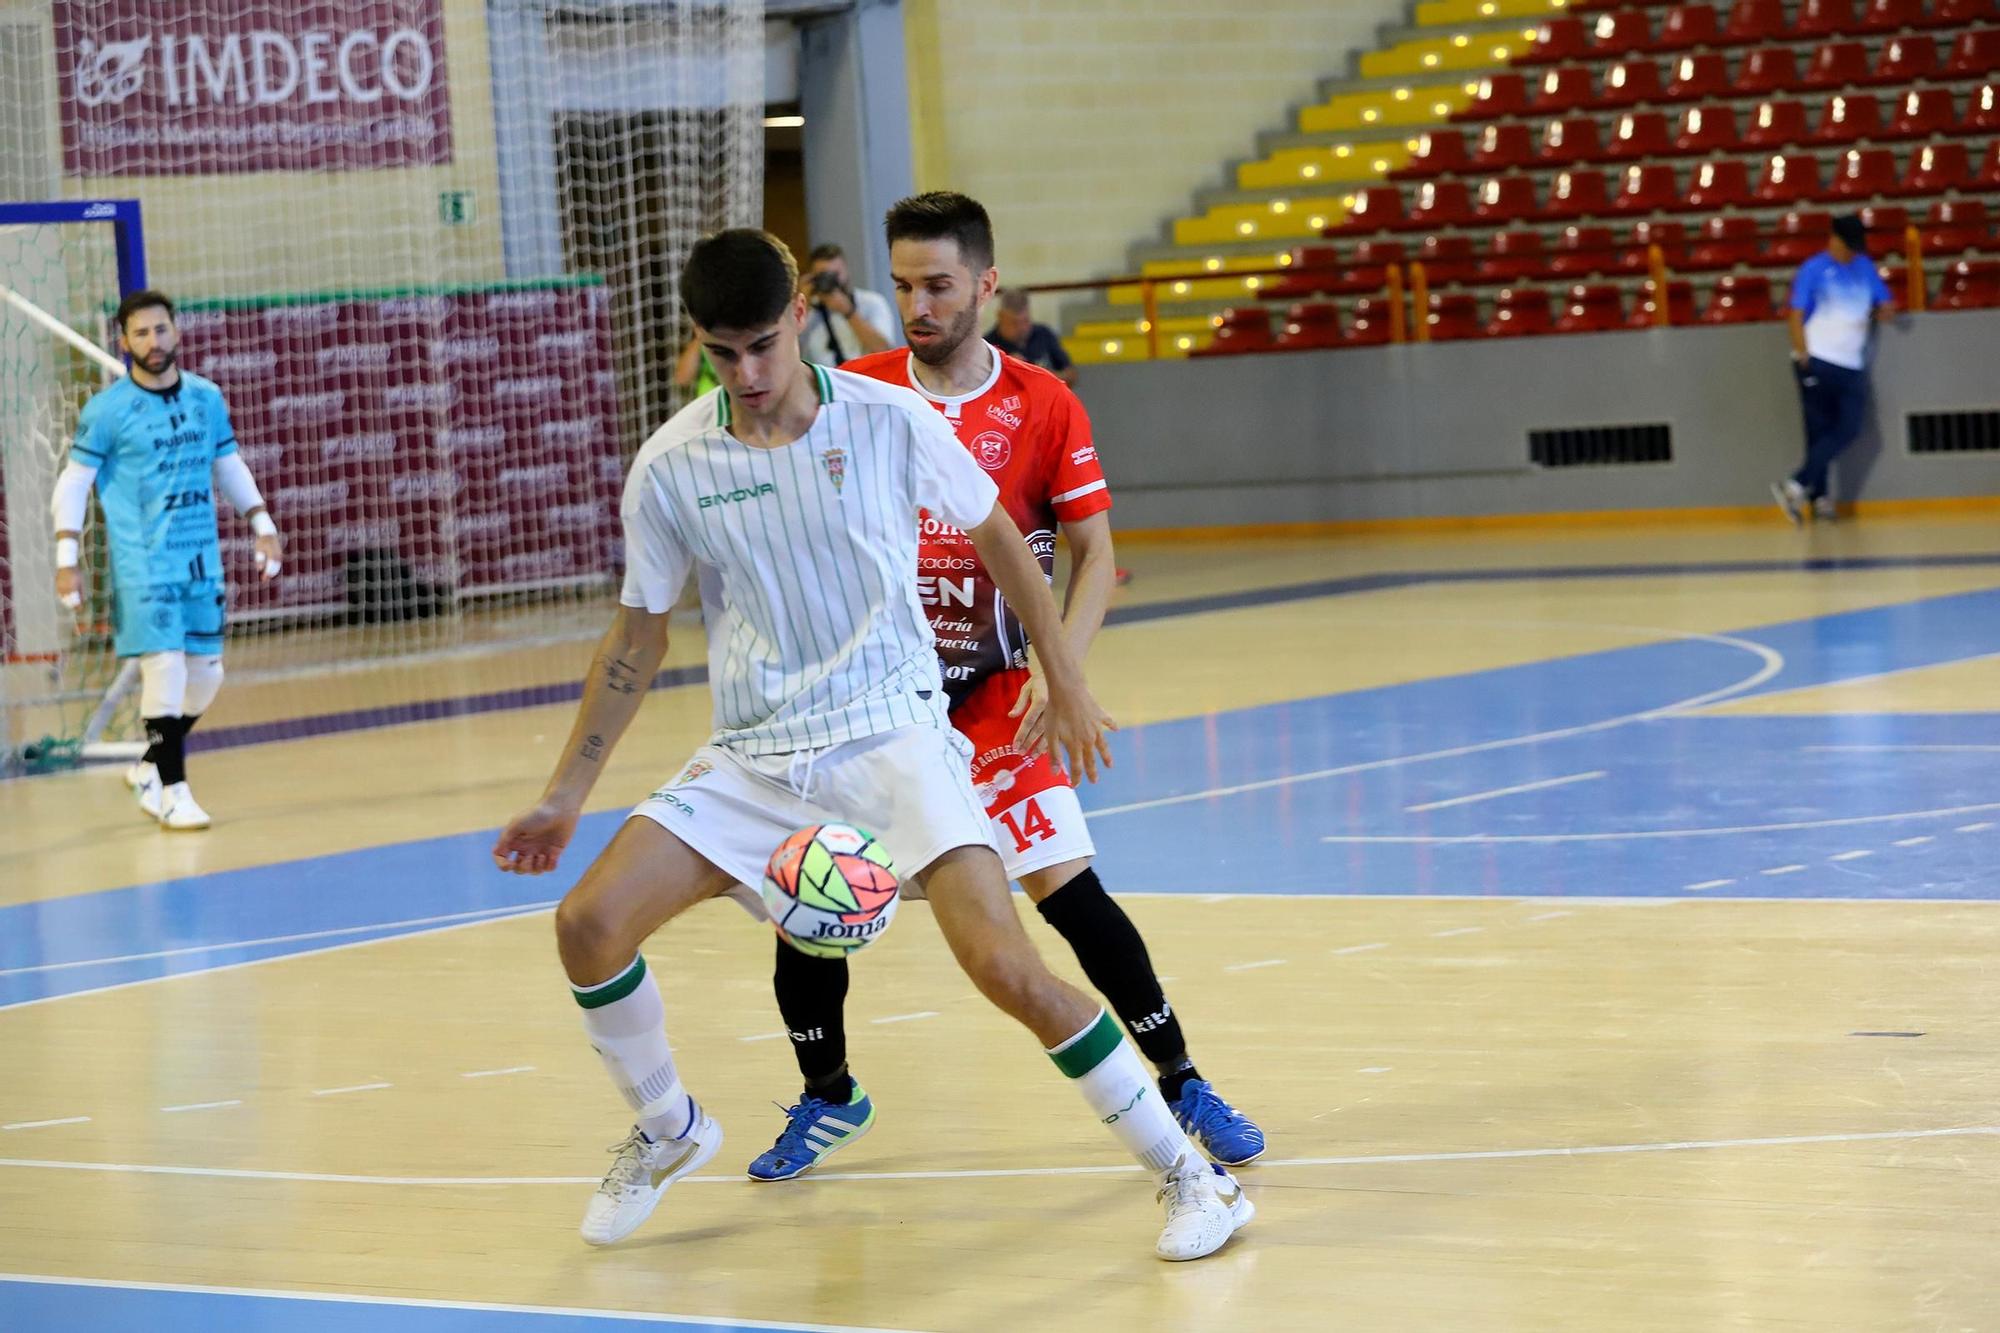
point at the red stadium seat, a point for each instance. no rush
(1706, 129)
(1725, 241)
(1837, 65)
(1989, 168)
(1564, 88)
(1970, 285)
(1982, 111)
(1646, 188)
(1368, 322)
(1620, 32)
(1788, 178)
(1671, 237)
(1368, 265)
(1375, 207)
(1452, 315)
(1446, 259)
(1506, 199)
(1774, 124)
(1800, 237)
(1310, 324)
(1498, 95)
(1685, 27)
(1579, 193)
(1766, 70)
(1824, 18)
(1885, 224)
(1974, 52)
(1239, 329)
(1313, 269)
(1680, 304)
(1896, 277)
(1955, 226)
(1438, 152)
(1958, 13)
(1519, 312)
(1739, 298)
(1699, 76)
(1637, 134)
(1557, 40)
(1904, 60)
(1591, 307)
(1441, 203)
(1584, 250)
(1504, 146)
(1921, 113)
(1754, 21)
(1847, 117)
(1890, 15)
(1723, 183)
(1935, 168)
(1863, 173)
(1628, 82)
(1511, 256)
(1568, 139)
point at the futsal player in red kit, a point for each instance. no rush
(1032, 437)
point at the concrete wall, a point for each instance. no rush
(1441, 429)
(1082, 125)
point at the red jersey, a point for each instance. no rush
(1030, 433)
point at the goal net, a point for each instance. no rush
(427, 248)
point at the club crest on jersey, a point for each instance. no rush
(991, 450)
(693, 771)
(835, 462)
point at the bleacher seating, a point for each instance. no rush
(1970, 285)
(1740, 298)
(1518, 312)
(1591, 307)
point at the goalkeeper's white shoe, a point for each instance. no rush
(640, 1173)
(179, 811)
(140, 773)
(148, 794)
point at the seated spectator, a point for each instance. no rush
(1016, 333)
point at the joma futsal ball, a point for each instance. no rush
(830, 889)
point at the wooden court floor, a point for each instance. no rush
(1600, 923)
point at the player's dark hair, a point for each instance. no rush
(738, 279)
(825, 250)
(942, 215)
(143, 299)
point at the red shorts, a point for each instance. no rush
(1037, 820)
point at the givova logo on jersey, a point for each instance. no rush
(737, 496)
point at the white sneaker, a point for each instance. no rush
(640, 1175)
(149, 797)
(1205, 1206)
(1791, 498)
(140, 774)
(178, 810)
(1825, 510)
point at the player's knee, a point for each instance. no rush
(204, 682)
(163, 683)
(587, 936)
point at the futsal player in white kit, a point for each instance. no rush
(791, 492)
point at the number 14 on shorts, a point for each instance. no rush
(1027, 824)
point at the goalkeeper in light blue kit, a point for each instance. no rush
(157, 446)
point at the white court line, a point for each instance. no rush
(1782, 870)
(1462, 930)
(350, 1298)
(1543, 785)
(495, 1073)
(44, 1124)
(1709, 884)
(1125, 1168)
(1914, 842)
(1899, 749)
(762, 1036)
(904, 1018)
(1245, 967)
(1550, 916)
(1857, 854)
(356, 1087)
(1638, 834)
(1980, 827)
(1375, 1069)
(201, 1106)
(276, 939)
(1773, 663)
(1358, 948)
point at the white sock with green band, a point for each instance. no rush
(627, 1026)
(1107, 1072)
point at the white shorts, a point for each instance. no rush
(1042, 829)
(910, 787)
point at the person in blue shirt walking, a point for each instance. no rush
(1836, 296)
(156, 446)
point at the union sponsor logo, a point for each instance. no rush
(1012, 420)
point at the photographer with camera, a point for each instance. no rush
(844, 323)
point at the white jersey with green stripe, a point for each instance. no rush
(806, 557)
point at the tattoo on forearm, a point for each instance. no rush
(593, 748)
(621, 676)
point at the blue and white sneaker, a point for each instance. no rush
(1223, 1132)
(814, 1130)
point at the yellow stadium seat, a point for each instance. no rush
(1441, 13)
(1474, 50)
(1345, 163)
(1412, 105)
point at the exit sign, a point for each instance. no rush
(455, 208)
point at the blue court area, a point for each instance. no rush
(76, 1307)
(1594, 776)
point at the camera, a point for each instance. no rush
(824, 281)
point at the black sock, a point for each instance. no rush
(1113, 956)
(1172, 1081)
(812, 998)
(167, 748)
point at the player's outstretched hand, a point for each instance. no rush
(534, 841)
(69, 587)
(270, 556)
(1072, 731)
